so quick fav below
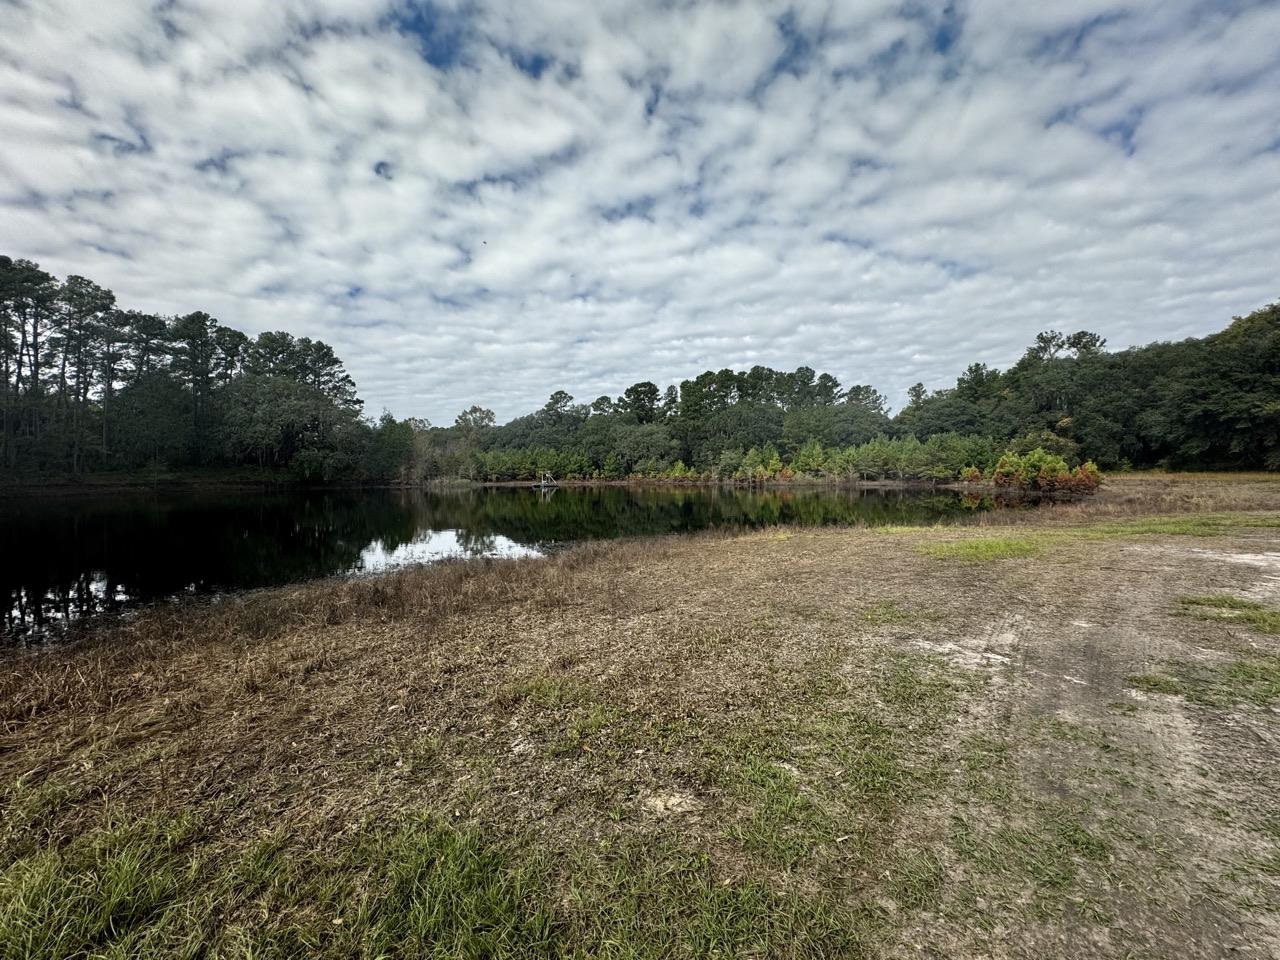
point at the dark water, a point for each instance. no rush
(62, 559)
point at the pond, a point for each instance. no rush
(62, 559)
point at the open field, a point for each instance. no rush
(1054, 734)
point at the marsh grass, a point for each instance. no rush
(809, 777)
(150, 888)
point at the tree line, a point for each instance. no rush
(1209, 403)
(89, 386)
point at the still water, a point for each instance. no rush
(62, 559)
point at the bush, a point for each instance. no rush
(1086, 478)
(1045, 472)
(1008, 471)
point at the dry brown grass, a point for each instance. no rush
(1150, 493)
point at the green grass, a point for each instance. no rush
(110, 893)
(1027, 855)
(828, 782)
(1008, 547)
(1254, 679)
(419, 887)
(984, 549)
(807, 859)
(1250, 613)
(1047, 852)
(1190, 525)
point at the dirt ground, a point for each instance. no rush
(1034, 738)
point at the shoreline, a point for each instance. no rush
(234, 480)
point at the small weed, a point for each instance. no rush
(1157, 683)
(1070, 732)
(915, 878)
(985, 765)
(785, 826)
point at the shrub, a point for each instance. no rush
(1086, 478)
(1008, 471)
(1045, 472)
(1042, 470)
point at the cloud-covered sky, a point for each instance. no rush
(484, 201)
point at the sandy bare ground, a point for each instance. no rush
(1038, 750)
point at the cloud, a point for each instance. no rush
(484, 202)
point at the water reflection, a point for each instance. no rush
(63, 559)
(437, 545)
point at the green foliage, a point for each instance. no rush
(1251, 679)
(809, 459)
(1209, 403)
(1046, 441)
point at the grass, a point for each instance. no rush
(1197, 525)
(1225, 607)
(416, 888)
(695, 747)
(984, 549)
(1253, 678)
(108, 892)
(892, 613)
(1074, 854)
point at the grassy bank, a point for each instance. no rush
(1054, 737)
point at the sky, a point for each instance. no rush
(484, 202)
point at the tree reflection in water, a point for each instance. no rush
(64, 559)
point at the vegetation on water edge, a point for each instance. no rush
(1042, 471)
(943, 458)
(86, 387)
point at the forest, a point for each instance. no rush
(91, 387)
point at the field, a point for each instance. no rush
(1055, 734)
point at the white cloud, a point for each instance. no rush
(484, 202)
